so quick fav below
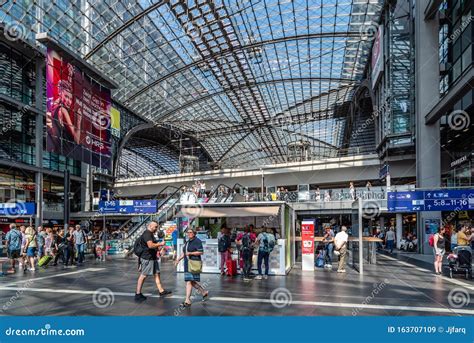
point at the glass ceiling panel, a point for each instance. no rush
(245, 78)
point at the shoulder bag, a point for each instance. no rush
(194, 266)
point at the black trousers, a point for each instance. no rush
(247, 257)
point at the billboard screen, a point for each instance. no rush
(78, 113)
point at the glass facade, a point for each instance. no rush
(456, 34)
(394, 92)
(245, 79)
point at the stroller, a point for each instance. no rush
(460, 261)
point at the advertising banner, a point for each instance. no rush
(307, 244)
(377, 62)
(78, 113)
(115, 121)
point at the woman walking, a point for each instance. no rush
(439, 250)
(30, 247)
(192, 252)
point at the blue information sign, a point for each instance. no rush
(431, 200)
(12, 209)
(128, 206)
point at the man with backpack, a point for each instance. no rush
(223, 245)
(13, 243)
(266, 243)
(146, 248)
(245, 242)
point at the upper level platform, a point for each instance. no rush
(329, 171)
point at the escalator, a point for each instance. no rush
(226, 194)
(165, 211)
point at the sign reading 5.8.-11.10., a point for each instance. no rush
(431, 200)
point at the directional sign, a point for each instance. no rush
(431, 200)
(128, 206)
(17, 209)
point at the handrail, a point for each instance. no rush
(139, 224)
(217, 189)
(233, 191)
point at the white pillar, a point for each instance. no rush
(399, 229)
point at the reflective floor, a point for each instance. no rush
(392, 287)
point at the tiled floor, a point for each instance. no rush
(391, 287)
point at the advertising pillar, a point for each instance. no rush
(307, 244)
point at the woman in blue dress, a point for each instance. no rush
(192, 250)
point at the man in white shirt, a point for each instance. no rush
(340, 242)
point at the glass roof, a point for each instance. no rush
(245, 78)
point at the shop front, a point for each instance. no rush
(207, 219)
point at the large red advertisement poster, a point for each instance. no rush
(307, 237)
(78, 113)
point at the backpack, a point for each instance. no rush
(268, 245)
(431, 241)
(320, 261)
(138, 247)
(246, 242)
(222, 244)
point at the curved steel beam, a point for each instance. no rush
(227, 51)
(124, 26)
(124, 140)
(251, 84)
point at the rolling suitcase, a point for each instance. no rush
(43, 261)
(231, 267)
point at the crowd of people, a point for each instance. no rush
(333, 243)
(28, 247)
(448, 238)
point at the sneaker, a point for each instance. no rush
(140, 297)
(165, 292)
(265, 277)
(341, 270)
(258, 277)
(246, 279)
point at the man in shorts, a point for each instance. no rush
(13, 240)
(149, 265)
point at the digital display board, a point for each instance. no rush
(128, 206)
(431, 200)
(14, 209)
